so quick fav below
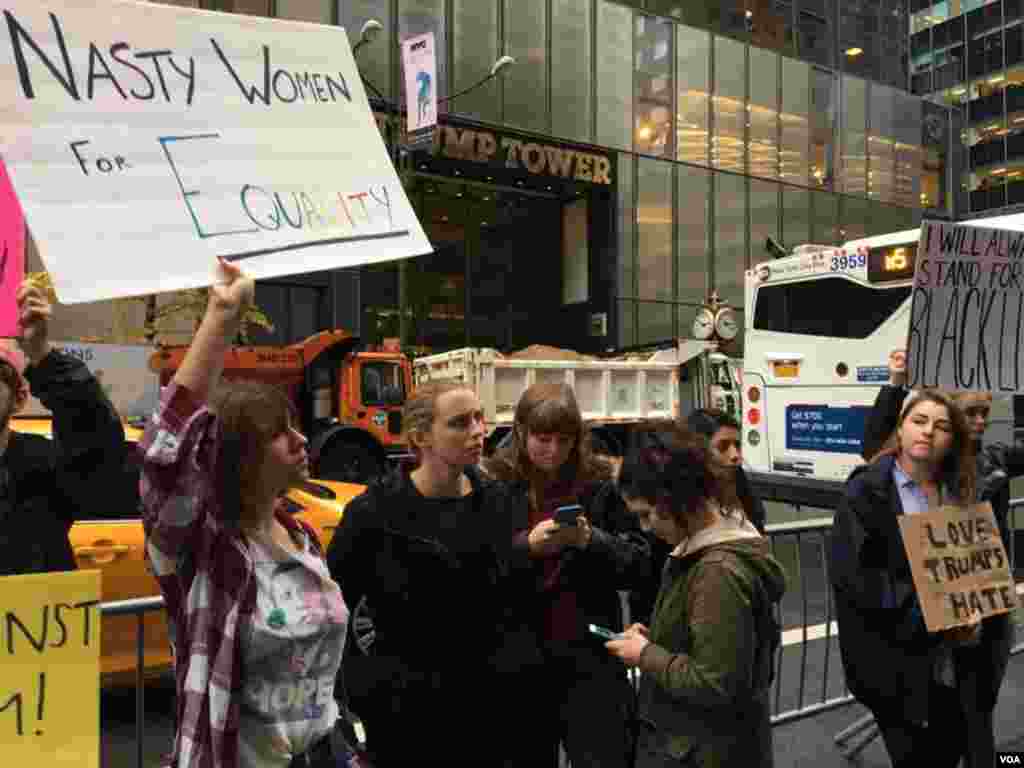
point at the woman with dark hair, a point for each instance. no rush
(725, 457)
(572, 571)
(707, 659)
(932, 694)
(257, 622)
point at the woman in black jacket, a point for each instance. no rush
(428, 550)
(571, 575)
(932, 694)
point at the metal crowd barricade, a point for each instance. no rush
(807, 580)
(138, 607)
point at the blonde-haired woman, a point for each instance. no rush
(428, 551)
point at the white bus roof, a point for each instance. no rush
(1013, 221)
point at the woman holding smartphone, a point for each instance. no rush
(576, 546)
(707, 658)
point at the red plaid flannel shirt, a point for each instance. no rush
(205, 574)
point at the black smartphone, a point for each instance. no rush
(602, 632)
(567, 515)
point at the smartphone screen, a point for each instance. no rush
(607, 634)
(567, 515)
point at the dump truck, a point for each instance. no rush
(613, 393)
(349, 398)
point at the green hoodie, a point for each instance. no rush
(706, 671)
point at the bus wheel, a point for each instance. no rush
(347, 462)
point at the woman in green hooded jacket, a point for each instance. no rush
(706, 660)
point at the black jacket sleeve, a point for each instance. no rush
(865, 579)
(88, 438)
(618, 550)
(347, 553)
(883, 419)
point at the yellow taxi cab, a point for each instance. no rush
(112, 541)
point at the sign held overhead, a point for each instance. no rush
(141, 155)
(968, 309)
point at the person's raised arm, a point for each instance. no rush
(200, 371)
(885, 414)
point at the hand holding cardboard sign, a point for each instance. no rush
(34, 310)
(233, 292)
(898, 367)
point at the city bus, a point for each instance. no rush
(822, 323)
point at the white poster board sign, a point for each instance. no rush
(144, 140)
(967, 312)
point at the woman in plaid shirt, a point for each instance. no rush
(259, 625)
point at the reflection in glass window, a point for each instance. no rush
(795, 118)
(764, 217)
(526, 84)
(796, 216)
(693, 51)
(653, 130)
(853, 216)
(728, 143)
(627, 323)
(825, 219)
(824, 116)
(654, 229)
(692, 198)
(627, 227)
(853, 174)
(315, 11)
(474, 29)
(882, 144)
(614, 76)
(415, 17)
(763, 112)
(730, 260)
(654, 321)
(570, 69)
(374, 60)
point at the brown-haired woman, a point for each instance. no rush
(931, 693)
(258, 625)
(571, 574)
(707, 658)
(427, 549)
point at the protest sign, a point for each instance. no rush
(967, 309)
(50, 669)
(12, 255)
(959, 565)
(145, 139)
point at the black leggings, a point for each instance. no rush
(949, 735)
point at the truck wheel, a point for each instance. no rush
(349, 463)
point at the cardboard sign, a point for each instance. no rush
(144, 140)
(959, 564)
(968, 309)
(50, 669)
(12, 255)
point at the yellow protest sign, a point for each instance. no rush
(50, 669)
(959, 565)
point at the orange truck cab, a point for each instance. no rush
(349, 399)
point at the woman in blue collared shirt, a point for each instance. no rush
(931, 693)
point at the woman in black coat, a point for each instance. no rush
(428, 552)
(570, 576)
(932, 694)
